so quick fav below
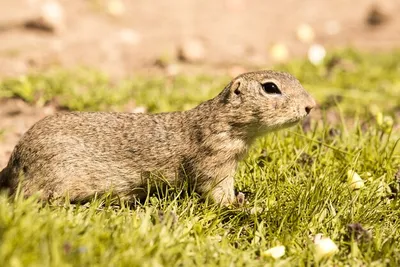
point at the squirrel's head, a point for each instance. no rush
(265, 101)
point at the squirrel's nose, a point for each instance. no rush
(308, 109)
(310, 106)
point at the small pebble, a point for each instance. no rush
(52, 13)
(129, 36)
(376, 17)
(192, 50)
(172, 69)
(332, 27)
(115, 8)
(51, 18)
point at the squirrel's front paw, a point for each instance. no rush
(237, 201)
(240, 200)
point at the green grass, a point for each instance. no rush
(295, 181)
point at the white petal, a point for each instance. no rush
(325, 248)
(354, 180)
(274, 252)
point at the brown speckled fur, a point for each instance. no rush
(86, 153)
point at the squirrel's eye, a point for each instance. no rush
(271, 88)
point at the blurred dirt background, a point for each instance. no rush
(123, 38)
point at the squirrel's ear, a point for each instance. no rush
(232, 92)
(236, 87)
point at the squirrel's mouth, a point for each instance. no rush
(286, 124)
(294, 121)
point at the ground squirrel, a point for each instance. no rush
(86, 153)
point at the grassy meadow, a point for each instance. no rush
(297, 183)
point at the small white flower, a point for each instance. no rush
(256, 210)
(317, 238)
(316, 54)
(274, 252)
(279, 52)
(324, 247)
(354, 180)
(305, 33)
